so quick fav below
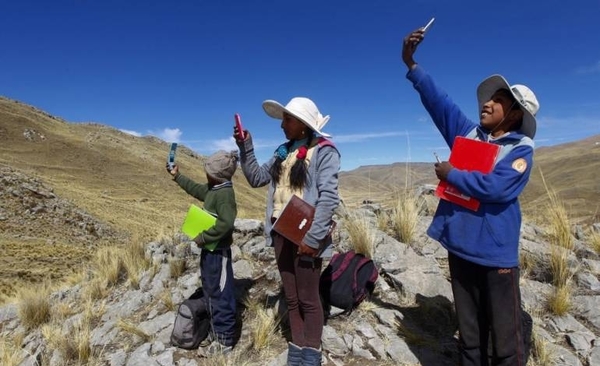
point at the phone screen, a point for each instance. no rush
(425, 28)
(171, 159)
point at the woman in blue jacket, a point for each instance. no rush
(483, 245)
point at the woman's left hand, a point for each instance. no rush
(309, 251)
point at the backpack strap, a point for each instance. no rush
(322, 141)
(346, 259)
(361, 262)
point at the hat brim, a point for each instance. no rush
(492, 84)
(276, 110)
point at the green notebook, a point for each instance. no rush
(196, 221)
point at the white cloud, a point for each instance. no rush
(133, 133)
(168, 134)
(366, 136)
(593, 69)
(224, 144)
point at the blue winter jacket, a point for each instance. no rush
(489, 236)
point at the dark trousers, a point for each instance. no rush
(300, 279)
(217, 282)
(488, 302)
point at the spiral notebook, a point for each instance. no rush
(196, 221)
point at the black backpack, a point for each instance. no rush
(347, 280)
(192, 322)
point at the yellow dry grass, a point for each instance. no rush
(406, 216)
(361, 232)
(131, 328)
(34, 307)
(10, 354)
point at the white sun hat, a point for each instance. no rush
(303, 109)
(522, 94)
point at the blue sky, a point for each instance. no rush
(179, 70)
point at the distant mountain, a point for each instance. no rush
(571, 169)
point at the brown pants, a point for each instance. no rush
(300, 279)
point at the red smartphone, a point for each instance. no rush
(238, 124)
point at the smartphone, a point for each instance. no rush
(426, 28)
(171, 158)
(238, 124)
(437, 157)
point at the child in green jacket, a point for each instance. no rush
(215, 266)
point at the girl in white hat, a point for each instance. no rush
(305, 165)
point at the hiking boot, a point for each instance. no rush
(311, 356)
(294, 356)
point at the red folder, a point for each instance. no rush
(470, 155)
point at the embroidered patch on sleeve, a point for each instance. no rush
(519, 165)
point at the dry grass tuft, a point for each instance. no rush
(167, 299)
(135, 262)
(73, 346)
(362, 235)
(62, 311)
(383, 220)
(177, 267)
(238, 358)
(34, 307)
(264, 328)
(132, 329)
(405, 216)
(559, 301)
(95, 289)
(109, 264)
(367, 306)
(528, 262)
(412, 337)
(10, 354)
(594, 239)
(540, 353)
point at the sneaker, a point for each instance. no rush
(217, 348)
(207, 341)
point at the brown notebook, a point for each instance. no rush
(295, 220)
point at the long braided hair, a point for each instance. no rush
(298, 173)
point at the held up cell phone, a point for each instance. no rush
(238, 124)
(437, 157)
(426, 28)
(171, 158)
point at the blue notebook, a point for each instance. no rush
(196, 221)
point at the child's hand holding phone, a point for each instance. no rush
(238, 129)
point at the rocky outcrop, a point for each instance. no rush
(408, 321)
(28, 207)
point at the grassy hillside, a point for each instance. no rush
(67, 188)
(573, 171)
(115, 177)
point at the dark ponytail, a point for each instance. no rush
(299, 171)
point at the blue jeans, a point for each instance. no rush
(217, 283)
